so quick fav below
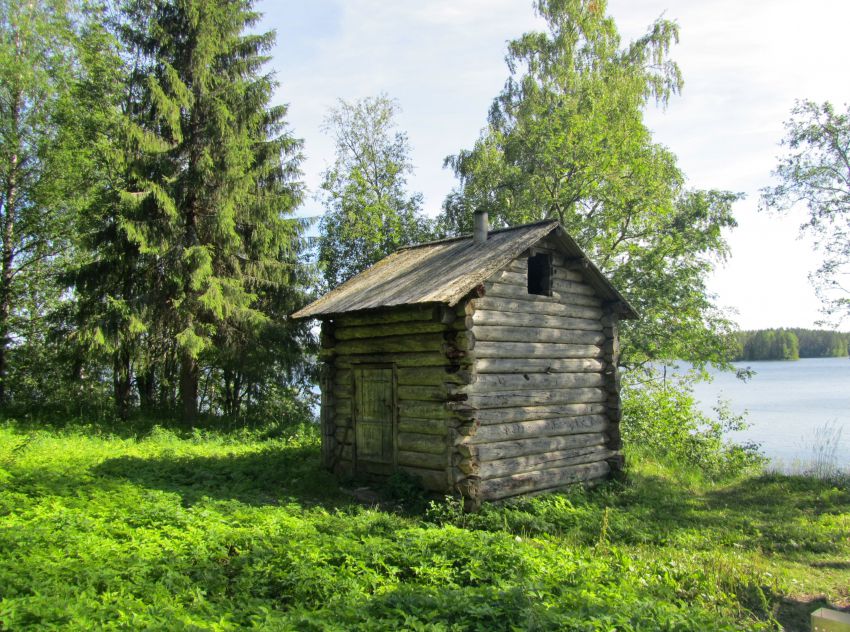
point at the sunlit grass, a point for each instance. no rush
(225, 530)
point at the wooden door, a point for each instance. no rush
(374, 419)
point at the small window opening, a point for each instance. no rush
(540, 274)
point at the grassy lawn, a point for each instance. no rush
(225, 530)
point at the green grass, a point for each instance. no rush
(226, 530)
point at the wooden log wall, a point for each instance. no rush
(429, 347)
(544, 389)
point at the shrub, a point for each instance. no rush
(661, 419)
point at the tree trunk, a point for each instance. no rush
(8, 256)
(146, 382)
(122, 383)
(228, 391)
(233, 386)
(189, 388)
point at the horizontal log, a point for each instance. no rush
(416, 442)
(489, 349)
(341, 422)
(430, 376)
(389, 315)
(572, 287)
(382, 330)
(505, 290)
(536, 365)
(554, 478)
(537, 428)
(522, 413)
(434, 393)
(554, 251)
(610, 319)
(532, 334)
(523, 447)
(525, 319)
(422, 459)
(341, 404)
(424, 410)
(536, 305)
(344, 389)
(490, 383)
(520, 266)
(393, 344)
(431, 480)
(539, 462)
(510, 399)
(511, 276)
(423, 426)
(424, 358)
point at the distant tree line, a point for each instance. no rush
(791, 344)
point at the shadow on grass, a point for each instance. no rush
(838, 566)
(139, 425)
(795, 614)
(271, 476)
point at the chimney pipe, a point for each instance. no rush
(480, 227)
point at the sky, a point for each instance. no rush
(744, 64)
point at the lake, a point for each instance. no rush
(786, 404)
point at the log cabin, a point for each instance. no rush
(484, 365)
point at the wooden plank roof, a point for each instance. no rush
(445, 271)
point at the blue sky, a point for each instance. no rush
(744, 63)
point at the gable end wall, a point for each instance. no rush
(545, 390)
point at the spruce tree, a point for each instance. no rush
(212, 213)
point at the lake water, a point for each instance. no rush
(786, 404)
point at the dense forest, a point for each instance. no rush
(151, 250)
(791, 344)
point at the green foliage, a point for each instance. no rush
(192, 257)
(37, 175)
(228, 178)
(815, 171)
(661, 420)
(791, 344)
(566, 140)
(227, 530)
(369, 213)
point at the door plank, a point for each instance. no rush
(374, 403)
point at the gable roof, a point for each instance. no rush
(445, 271)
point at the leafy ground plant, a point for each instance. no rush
(226, 530)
